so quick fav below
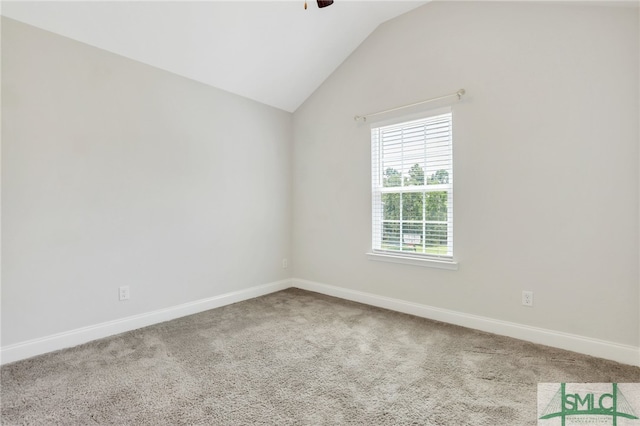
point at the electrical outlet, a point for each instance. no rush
(527, 298)
(285, 263)
(123, 292)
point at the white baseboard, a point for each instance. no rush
(609, 350)
(78, 336)
(572, 342)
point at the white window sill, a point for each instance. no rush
(416, 261)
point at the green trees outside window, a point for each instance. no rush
(415, 221)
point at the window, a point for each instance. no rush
(412, 185)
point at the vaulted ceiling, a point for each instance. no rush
(274, 52)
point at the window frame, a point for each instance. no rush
(378, 189)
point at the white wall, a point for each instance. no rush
(546, 163)
(115, 173)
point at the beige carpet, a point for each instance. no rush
(294, 357)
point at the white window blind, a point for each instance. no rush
(412, 188)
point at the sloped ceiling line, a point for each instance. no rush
(274, 52)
